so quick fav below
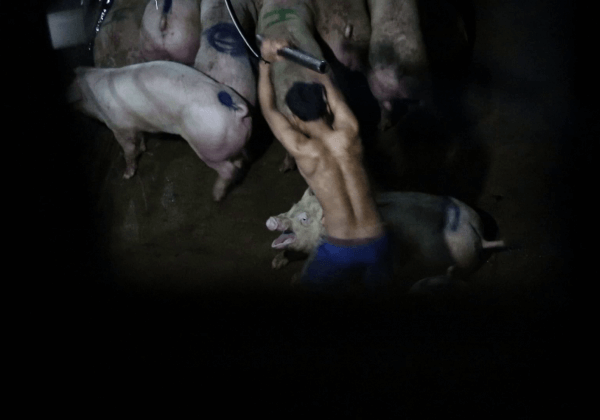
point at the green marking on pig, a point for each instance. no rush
(281, 15)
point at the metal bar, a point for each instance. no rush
(300, 57)
(238, 27)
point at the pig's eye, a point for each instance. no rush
(303, 218)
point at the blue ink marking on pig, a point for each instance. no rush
(225, 38)
(167, 6)
(226, 99)
(452, 215)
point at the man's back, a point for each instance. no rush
(329, 157)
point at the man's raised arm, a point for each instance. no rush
(279, 124)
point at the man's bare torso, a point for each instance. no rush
(329, 157)
(336, 175)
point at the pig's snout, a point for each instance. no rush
(278, 223)
(272, 223)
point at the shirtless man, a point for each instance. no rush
(328, 153)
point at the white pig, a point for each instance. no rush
(438, 232)
(171, 33)
(163, 96)
(302, 226)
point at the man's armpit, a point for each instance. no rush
(278, 123)
(293, 141)
(303, 147)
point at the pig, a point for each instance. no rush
(117, 42)
(293, 21)
(223, 54)
(440, 233)
(163, 96)
(191, 32)
(397, 56)
(395, 43)
(170, 30)
(301, 227)
(137, 31)
(345, 27)
(410, 42)
(436, 230)
(194, 33)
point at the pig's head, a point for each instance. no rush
(301, 226)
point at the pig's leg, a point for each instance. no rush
(132, 143)
(227, 174)
(280, 261)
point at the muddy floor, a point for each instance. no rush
(151, 272)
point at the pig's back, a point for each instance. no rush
(417, 220)
(152, 96)
(413, 210)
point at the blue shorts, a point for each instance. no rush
(335, 263)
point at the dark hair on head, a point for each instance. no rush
(306, 101)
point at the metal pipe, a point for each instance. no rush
(300, 57)
(239, 27)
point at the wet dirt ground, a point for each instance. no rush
(151, 272)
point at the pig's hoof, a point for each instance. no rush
(220, 189)
(279, 261)
(218, 196)
(296, 279)
(128, 173)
